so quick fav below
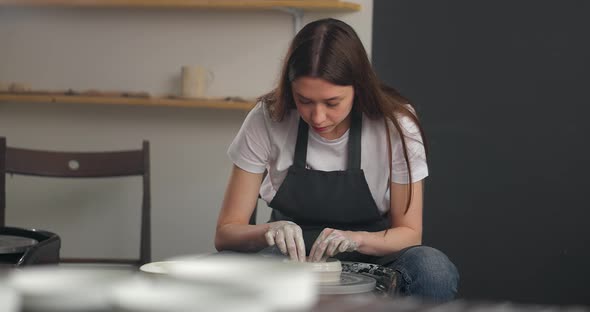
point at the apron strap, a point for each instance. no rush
(300, 156)
(354, 140)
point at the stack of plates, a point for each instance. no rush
(68, 289)
(145, 294)
(10, 301)
(280, 285)
(63, 289)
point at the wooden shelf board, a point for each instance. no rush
(151, 101)
(307, 5)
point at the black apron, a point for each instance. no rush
(336, 199)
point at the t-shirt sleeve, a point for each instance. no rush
(250, 148)
(416, 153)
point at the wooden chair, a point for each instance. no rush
(83, 165)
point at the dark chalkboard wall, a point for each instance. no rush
(503, 89)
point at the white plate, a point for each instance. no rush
(160, 267)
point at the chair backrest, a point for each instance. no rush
(83, 165)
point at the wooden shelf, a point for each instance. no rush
(294, 7)
(306, 5)
(149, 101)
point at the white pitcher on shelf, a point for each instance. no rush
(196, 80)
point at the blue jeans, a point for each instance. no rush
(422, 272)
(427, 273)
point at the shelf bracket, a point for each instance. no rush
(296, 14)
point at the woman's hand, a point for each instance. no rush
(331, 242)
(288, 237)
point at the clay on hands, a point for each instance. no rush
(331, 242)
(288, 236)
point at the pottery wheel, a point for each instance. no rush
(350, 283)
(15, 244)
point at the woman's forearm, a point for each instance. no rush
(386, 242)
(241, 237)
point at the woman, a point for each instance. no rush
(341, 179)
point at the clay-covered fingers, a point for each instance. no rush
(336, 245)
(280, 241)
(270, 237)
(331, 242)
(294, 243)
(319, 246)
(300, 245)
(288, 237)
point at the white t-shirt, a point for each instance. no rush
(265, 144)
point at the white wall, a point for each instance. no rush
(136, 50)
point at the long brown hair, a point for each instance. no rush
(331, 50)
